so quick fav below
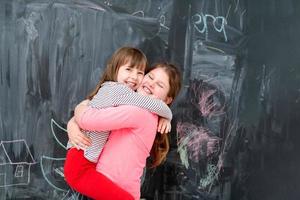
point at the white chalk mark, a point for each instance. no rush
(237, 5)
(228, 12)
(59, 172)
(212, 175)
(54, 134)
(70, 194)
(162, 25)
(200, 22)
(20, 168)
(216, 49)
(108, 3)
(44, 173)
(162, 22)
(243, 12)
(137, 13)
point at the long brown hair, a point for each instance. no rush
(161, 145)
(123, 55)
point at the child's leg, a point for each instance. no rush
(82, 176)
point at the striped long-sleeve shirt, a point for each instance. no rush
(115, 94)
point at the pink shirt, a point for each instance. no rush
(124, 155)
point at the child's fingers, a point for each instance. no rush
(164, 129)
(85, 140)
(159, 127)
(81, 146)
(164, 126)
(75, 145)
(83, 143)
(80, 142)
(167, 129)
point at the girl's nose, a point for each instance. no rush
(152, 84)
(133, 75)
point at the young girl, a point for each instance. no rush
(124, 156)
(126, 66)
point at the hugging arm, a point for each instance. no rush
(115, 94)
(111, 118)
(76, 137)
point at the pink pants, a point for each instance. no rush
(82, 176)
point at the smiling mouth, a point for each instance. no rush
(130, 84)
(147, 90)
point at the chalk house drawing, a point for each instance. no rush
(10, 163)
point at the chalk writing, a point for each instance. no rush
(202, 21)
(162, 22)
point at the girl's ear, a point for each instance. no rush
(168, 100)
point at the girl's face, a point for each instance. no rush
(156, 84)
(130, 75)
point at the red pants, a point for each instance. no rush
(82, 176)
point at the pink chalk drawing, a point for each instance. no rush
(206, 101)
(195, 142)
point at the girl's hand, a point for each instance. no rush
(164, 125)
(84, 102)
(76, 137)
(80, 108)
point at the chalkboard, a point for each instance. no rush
(235, 132)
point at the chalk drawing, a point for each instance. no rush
(237, 5)
(195, 142)
(228, 12)
(20, 166)
(137, 13)
(241, 19)
(49, 172)
(52, 124)
(162, 22)
(162, 25)
(29, 24)
(215, 49)
(108, 3)
(210, 177)
(205, 100)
